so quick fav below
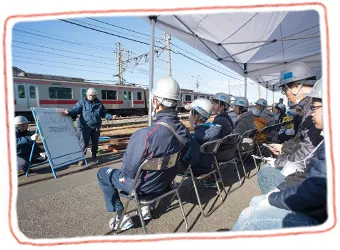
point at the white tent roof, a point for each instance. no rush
(260, 42)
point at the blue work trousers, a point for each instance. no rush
(84, 135)
(110, 181)
(262, 217)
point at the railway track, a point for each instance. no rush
(120, 121)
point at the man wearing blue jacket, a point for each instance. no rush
(91, 112)
(151, 142)
(221, 104)
(24, 142)
(293, 203)
(200, 112)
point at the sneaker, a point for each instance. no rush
(43, 156)
(146, 213)
(209, 183)
(81, 163)
(94, 159)
(126, 224)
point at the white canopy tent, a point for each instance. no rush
(256, 45)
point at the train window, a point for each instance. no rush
(125, 95)
(83, 93)
(129, 95)
(21, 91)
(109, 95)
(32, 91)
(60, 93)
(195, 97)
(188, 98)
(139, 95)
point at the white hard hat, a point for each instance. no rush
(202, 106)
(168, 88)
(241, 101)
(222, 97)
(91, 91)
(296, 71)
(262, 102)
(317, 90)
(20, 120)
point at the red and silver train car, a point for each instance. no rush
(47, 91)
(33, 90)
(187, 96)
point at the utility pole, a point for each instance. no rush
(167, 38)
(119, 62)
(229, 87)
(259, 91)
(197, 83)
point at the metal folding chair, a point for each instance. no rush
(154, 164)
(246, 146)
(208, 148)
(226, 154)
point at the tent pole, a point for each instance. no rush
(151, 65)
(273, 100)
(245, 80)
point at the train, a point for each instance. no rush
(49, 91)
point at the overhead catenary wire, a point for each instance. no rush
(74, 52)
(141, 42)
(77, 58)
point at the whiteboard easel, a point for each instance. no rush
(59, 138)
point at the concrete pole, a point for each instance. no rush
(167, 39)
(151, 65)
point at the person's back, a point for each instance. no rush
(260, 124)
(244, 123)
(226, 123)
(268, 116)
(152, 142)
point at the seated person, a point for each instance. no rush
(24, 142)
(293, 204)
(281, 112)
(245, 119)
(261, 105)
(151, 142)
(221, 103)
(260, 123)
(295, 81)
(200, 112)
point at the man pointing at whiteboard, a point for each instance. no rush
(91, 110)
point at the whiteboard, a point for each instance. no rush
(58, 135)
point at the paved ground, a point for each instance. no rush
(72, 205)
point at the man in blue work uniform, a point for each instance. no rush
(151, 142)
(91, 112)
(24, 142)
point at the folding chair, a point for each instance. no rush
(226, 154)
(245, 148)
(208, 148)
(154, 164)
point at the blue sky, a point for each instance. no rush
(59, 48)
